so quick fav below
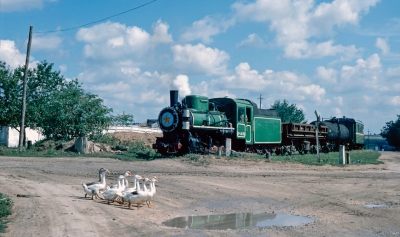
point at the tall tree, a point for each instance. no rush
(74, 113)
(59, 106)
(391, 132)
(289, 112)
(10, 97)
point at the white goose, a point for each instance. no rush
(91, 192)
(151, 192)
(111, 194)
(136, 185)
(138, 197)
(127, 174)
(98, 185)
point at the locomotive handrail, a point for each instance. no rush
(214, 128)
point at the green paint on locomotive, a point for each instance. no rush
(196, 102)
(267, 130)
(202, 114)
(250, 127)
(210, 118)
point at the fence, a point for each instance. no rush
(137, 129)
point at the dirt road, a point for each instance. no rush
(51, 200)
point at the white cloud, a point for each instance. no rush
(114, 40)
(395, 100)
(393, 72)
(10, 54)
(312, 92)
(337, 112)
(21, 5)
(252, 41)
(365, 74)
(305, 49)
(63, 68)
(296, 21)
(283, 84)
(47, 42)
(205, 28)
(339, 100)
(160, 34)
(382, 45)
(327, 74)
(200, 59)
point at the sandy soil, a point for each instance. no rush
(51, 200)
(147, 138)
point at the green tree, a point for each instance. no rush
(122, 119)
(59, 106)
(391, 132)
(74, 113)
(42, 82)
(289, 112)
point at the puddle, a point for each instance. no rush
(375, 205)
(237, 221)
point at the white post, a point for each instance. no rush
(342, 155)
(228, 146)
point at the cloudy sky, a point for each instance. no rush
(338, 57)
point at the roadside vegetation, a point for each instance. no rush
(5, 209)
(357, 157)
(129, 151)
(61, 148)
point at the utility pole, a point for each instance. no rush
(260, 98)
(22, 127)
(316, 125)
(368, 140)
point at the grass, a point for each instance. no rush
(139, 151)
(5, 209)
(359, 157)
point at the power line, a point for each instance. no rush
(18, 50)
(94, 22)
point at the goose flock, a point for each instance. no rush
(121, 192)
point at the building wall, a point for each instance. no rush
(10, 137)
(4, 136)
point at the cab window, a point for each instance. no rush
(248, 115)
(241, 115)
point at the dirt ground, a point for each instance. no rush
(49, 200)
(147, 138)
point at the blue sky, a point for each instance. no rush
(338, 57)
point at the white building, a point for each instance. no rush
(10, 136)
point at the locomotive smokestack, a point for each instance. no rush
(173, 97)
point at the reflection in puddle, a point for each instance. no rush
(375, 205)
(237, 221)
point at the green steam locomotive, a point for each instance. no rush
(198, 124)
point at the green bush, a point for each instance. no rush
(5, 209)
